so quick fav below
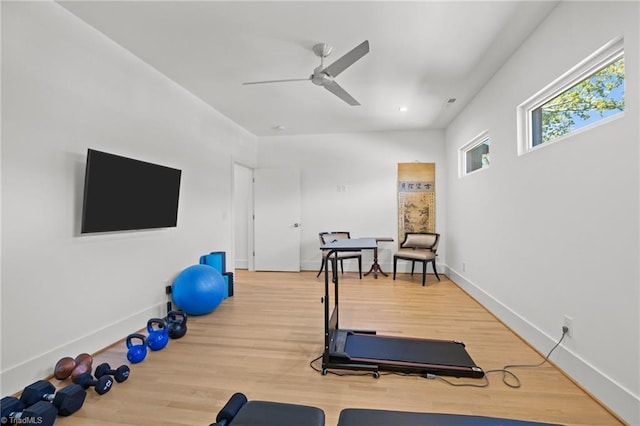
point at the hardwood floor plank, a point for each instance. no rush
(261, 342)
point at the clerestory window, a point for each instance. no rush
(591, 92)
(475, 154)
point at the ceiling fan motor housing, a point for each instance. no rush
(322, 50)
(320, 77)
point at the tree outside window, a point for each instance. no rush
(599, 96)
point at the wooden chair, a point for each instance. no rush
(327, 237)
(418, 247)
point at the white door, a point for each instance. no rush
(243, 216)
(277, 219)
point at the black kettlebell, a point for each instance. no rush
(176, 323)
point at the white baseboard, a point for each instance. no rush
(242, 264)
(615, 397)
(16, 377)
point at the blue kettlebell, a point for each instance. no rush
(159, 335)
(136, 352)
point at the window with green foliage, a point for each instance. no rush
(599, 96)
(475, 154)
(589, 93)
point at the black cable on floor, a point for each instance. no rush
(335, 373)
(504, 370)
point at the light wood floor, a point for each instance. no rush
(261, 341)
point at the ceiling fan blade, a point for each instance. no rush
(337, 90)
(348, 59)
(277, 81)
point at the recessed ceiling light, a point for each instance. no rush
(403, 109)
(279, 127)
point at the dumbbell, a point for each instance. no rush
(68, 366)
(14, 412)
(120, 374)
(101, 386)
(66, 401)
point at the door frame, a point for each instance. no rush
(243, 219)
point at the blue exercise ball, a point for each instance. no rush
(198, 289)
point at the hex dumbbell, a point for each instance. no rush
(66, 401)
(120, 374)
(14, 412)
(101, 386)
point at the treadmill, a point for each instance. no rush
(366, 350)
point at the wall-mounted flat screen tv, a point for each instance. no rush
(123, 194)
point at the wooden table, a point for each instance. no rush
(375, 267)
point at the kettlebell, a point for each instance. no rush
(136, 352)
(159, 335)
(177, 324)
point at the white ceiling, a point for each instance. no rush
(422, 53)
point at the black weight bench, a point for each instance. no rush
(368, 417)
(240, 412)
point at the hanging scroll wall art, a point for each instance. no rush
(416, 198)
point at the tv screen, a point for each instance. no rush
(125, 194)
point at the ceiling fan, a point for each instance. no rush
(325, 76)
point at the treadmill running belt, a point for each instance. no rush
(400, 349)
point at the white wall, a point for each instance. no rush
(66, 88)
(367, 165)
(539, 238)
(555, 232)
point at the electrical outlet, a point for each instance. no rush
(568, 322)
(464, 266)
